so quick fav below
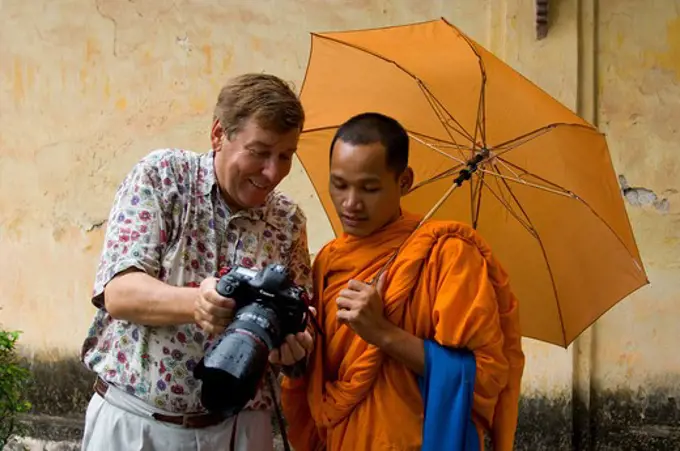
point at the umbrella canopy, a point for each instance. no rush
(542, 190)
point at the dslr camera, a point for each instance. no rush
(268, 308)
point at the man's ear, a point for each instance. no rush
(216, 135)
(406, 181)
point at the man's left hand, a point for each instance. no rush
(361, 307)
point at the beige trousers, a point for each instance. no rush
(122, 422)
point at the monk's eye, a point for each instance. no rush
(339, 186)
(371, 189)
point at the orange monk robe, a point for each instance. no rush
(444, 286)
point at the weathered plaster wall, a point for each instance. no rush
(87, 87)
(90, 86)
(635, 370)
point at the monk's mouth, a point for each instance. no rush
(353, 221)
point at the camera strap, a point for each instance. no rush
(277, 408)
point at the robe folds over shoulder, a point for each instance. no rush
(445, 286)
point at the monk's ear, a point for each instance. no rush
(406, 181)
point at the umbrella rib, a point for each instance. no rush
(437, 177)
(554, 186)
(521, 140)
(407, 72)
(482, 94)
(527, 225)
(537, 236)
(432, 147)
(506, 166)
(442, 142)
(571, 194)
(434, 104)
(526, 137)
(481, 110)
(529, 184)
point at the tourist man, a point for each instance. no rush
(178, 219)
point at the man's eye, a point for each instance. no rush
(371, 189)
(258, 153)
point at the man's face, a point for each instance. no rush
(365, 191)
(252, 163)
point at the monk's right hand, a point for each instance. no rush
(212, 312)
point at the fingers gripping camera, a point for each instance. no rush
(268, 308)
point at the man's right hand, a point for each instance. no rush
(212, 312)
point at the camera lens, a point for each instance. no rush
(234, 366)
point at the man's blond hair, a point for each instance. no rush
(266, 98)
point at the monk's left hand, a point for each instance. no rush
(361, 307)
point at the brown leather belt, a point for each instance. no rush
(193, 421)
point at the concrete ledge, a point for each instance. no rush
(30, 444)
(647, 419)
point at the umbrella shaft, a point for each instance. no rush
(439, 203)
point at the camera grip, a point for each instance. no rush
(225, 288)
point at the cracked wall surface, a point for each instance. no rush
(88, 87)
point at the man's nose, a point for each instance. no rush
(272, 170)
(353, 201)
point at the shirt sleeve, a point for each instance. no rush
(138, 225)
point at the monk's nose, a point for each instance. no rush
(353, 202)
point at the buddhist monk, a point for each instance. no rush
(423, 355)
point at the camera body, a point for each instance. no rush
(268, 308)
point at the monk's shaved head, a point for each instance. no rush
(372, 128)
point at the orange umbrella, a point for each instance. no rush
(537, 181)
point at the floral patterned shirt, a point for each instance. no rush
(170, 220)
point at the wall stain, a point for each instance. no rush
(671, 59)
(92, 50)
(121, 103)
(207, 53)
(226, 62)
(18, 85)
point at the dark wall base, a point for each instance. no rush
(60, 389)
(617, 420)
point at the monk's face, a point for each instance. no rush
(366, 193)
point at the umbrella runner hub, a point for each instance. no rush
(471, 166)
